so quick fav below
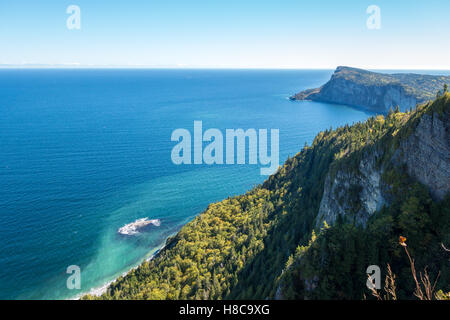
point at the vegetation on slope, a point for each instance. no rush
(421, 86)
(263, 243)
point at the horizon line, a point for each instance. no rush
(75, 66)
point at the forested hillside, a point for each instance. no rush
(272, 243)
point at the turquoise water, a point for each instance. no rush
(84, 152)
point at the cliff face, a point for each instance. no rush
(375, 91)
(350, 194)
(357, 194)
(383, 174)
(426, 153)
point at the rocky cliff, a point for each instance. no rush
(421, 146)
(426, 153)
(397, 184)
(356, 194)
(375, 92)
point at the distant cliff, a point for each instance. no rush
(376, 92)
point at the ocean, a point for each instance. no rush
(86, 151)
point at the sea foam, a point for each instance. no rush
(133, 228)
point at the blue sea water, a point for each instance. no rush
(84, 152)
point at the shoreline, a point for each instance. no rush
(98, 291)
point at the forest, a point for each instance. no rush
(268, 244)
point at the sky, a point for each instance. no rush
(226, 34)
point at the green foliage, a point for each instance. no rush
(202, 260)
(250, 246)
(337, 260)
(342, 252)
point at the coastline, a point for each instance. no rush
(98, 291)
(99, 283)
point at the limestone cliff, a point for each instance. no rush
(426, 153)
(397, 183)
(375, 92)
(422, 146)
(349, 193)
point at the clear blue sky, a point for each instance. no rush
(227, 33)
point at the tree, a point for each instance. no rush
(390, 112)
